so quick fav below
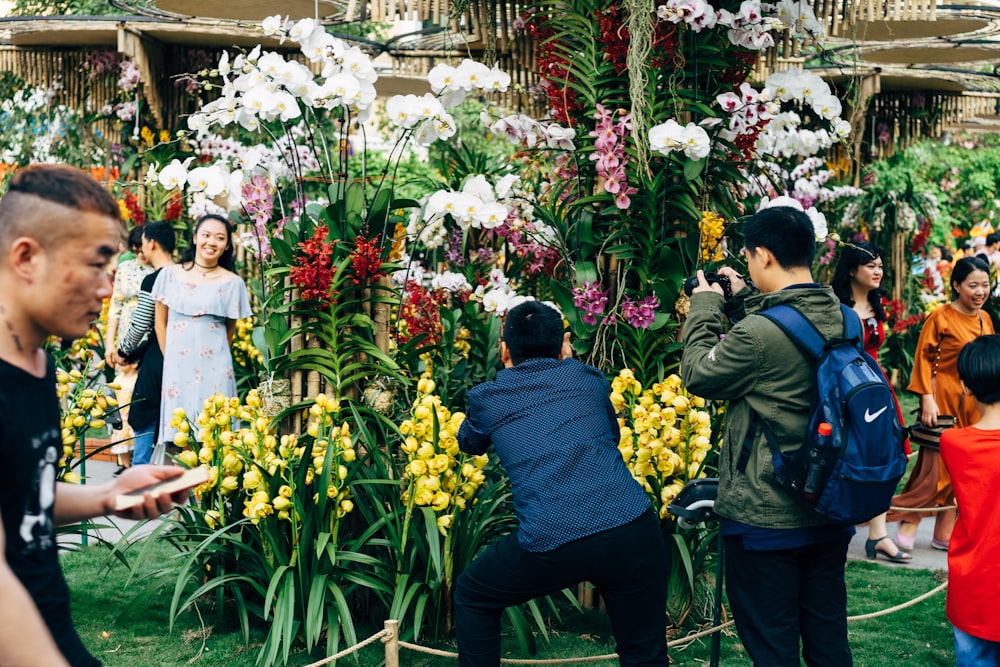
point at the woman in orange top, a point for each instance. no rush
(935, 379)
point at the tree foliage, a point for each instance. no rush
(59, 7)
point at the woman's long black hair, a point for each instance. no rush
(851, 257)
(227, 259)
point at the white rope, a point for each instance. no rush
(351, 649)
(608, 656)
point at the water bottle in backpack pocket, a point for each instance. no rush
(819, 459)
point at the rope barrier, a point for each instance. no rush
(927, 510)
(351, 649)
(899, 607)
(390, 637)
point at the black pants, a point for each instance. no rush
(779, 596)
(628, 565)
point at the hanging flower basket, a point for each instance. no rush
(275, 395)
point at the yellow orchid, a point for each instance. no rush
(666, 434)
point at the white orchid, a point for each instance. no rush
(827, 107)
(492, 215)
(666, 137)
(505, 184)
(820, 229)
(272, 25)
(479, 187)
(303, 30)
(497, 300)
(210, 180)
(697, 144)
(174, 175)
(451, 281)
(670, 136)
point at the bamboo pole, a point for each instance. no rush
(382, 313)
(391, 643)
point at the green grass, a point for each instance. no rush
(102, 589)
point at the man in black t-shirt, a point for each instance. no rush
(58, 230)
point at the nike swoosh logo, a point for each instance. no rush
(869, 417)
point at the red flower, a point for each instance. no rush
(175, 207)
(366, 260)
(313, 270)
(135, 211)
(419, 313)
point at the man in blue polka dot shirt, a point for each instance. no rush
(581, 515)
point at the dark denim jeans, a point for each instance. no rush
(628, 565)
(779, 596)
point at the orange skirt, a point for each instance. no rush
(929, 485)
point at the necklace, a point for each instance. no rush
(205, 270)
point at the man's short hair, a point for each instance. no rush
(533, 330)
(26, 208)
(163, 233)
(979, 367)
(787, 232)
(992, 238)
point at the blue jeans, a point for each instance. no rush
(972, 651)
(143, 445)
(627, 564)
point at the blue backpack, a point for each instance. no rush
(847, 472)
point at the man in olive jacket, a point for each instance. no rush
(784, 564)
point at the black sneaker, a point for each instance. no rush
(120, 470)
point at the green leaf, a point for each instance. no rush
(313, 621)
(276, 580)
(586, 272)
(693, 168)
(337, 191)
(282, 251)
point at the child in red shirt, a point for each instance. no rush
(972, 456)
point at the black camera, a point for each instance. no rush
(691, 282)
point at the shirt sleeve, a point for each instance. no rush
(471, 439)
(922, 378)
(714, 364)
(140, 324)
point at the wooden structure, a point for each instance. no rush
(912, 45)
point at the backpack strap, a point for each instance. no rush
(757, 423)
(803, 332)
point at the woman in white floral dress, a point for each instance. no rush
(197, 304)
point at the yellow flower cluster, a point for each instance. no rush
(711, 227)
(85, 347)
(666, 433)
(440, 475)
(149, 136)
(85, 408)
(240, 446)
(462, 342)
(123, 211)
(245, 353)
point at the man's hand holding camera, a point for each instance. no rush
(726, 282)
